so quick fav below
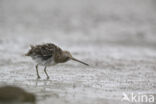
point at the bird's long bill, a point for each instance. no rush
(79, 61)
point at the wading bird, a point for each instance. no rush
(48, 55)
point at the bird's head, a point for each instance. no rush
(68, 56)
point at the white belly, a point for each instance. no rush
(49, 62)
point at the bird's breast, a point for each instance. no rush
(42, 61)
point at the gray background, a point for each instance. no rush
(116, 37)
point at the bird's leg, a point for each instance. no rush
(46, 72)
(38, 76)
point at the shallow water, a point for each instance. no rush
(118, 43)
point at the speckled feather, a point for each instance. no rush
(46, 53)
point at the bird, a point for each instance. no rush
(49, 54)
(15, 95)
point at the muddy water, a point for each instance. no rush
(118, 43)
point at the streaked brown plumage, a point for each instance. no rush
(49, 54)
(12, 94)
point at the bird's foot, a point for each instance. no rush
(38, 77)
(47, 77)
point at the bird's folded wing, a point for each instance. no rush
(46, 53)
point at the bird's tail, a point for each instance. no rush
(30, 51)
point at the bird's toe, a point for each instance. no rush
(38, 77)
(48, 77)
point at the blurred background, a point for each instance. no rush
(100, 21)
(116, 37)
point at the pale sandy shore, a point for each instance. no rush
(117, 38)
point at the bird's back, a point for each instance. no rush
(43, 52)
